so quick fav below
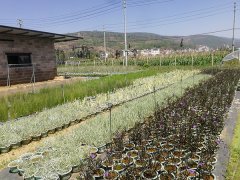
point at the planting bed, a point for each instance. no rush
(14, 134)
(60, 156)
(180, 141)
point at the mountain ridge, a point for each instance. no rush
(144, 40)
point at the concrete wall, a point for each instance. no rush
(42, 55)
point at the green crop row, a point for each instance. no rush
(23, 104)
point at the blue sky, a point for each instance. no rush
(164, 17)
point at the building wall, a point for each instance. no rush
(42, 56)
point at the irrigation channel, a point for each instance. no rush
(179, 141)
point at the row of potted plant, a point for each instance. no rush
(180, 141)
(97, 132)
(19, 132)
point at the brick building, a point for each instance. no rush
(28, 55)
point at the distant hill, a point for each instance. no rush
(140, 40)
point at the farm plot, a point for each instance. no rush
(13, 134)
(64, 155)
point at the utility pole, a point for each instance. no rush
(20, 23)
(104, 44)
(125, 31)
(234, 19)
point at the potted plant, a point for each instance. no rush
(13, 166)
(149, 174)
(113, 175)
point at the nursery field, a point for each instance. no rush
(22, 104)
(157, 126)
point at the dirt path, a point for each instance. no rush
(28, 88)
(226, 137)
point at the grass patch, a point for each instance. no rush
(97, 69)
(233, 171)
(23, 104)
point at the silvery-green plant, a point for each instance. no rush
(95, 132)
(25, 127)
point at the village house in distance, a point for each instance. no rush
(28, 55)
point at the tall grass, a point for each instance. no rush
(18, 105)
(233, 171)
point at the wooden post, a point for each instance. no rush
(175, 60)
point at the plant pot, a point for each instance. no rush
(139, 147)
(176, 161)
(164, 153)
(213, 160)
(101, 149)
(160, 158)
(15, 145)
(13, 166)
(72, 123)
(65, 175)
(118, 167)
(5, 149)
(107, 165)
(93, 150)
(189, 173)
(20, 171)
(38, 177)
(192, 164)
(129, 146)
(26, 141)
(127, 161)
(208, 176)
(98, 173)
(127, 177)
(151, 150)
(44, 134)
(133, 154)
(59, 128)
(54, 177)
(170, 168)
(168, 147)
(156, 166)
(36, 137)
(195, 157)
(26, 156)
(178, 153)
(51, 131)
(116, 157)
(207, 167)
(30, 177)
(140, 163)
(113, 175)
(166, 176)
(64, 126)
(76, 168)
(36, 158)
(149, 174)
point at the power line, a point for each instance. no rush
(178, 16)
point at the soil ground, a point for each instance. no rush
(226, 136)
(29, 87)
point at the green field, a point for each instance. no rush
(23, 104)
(233, 171)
